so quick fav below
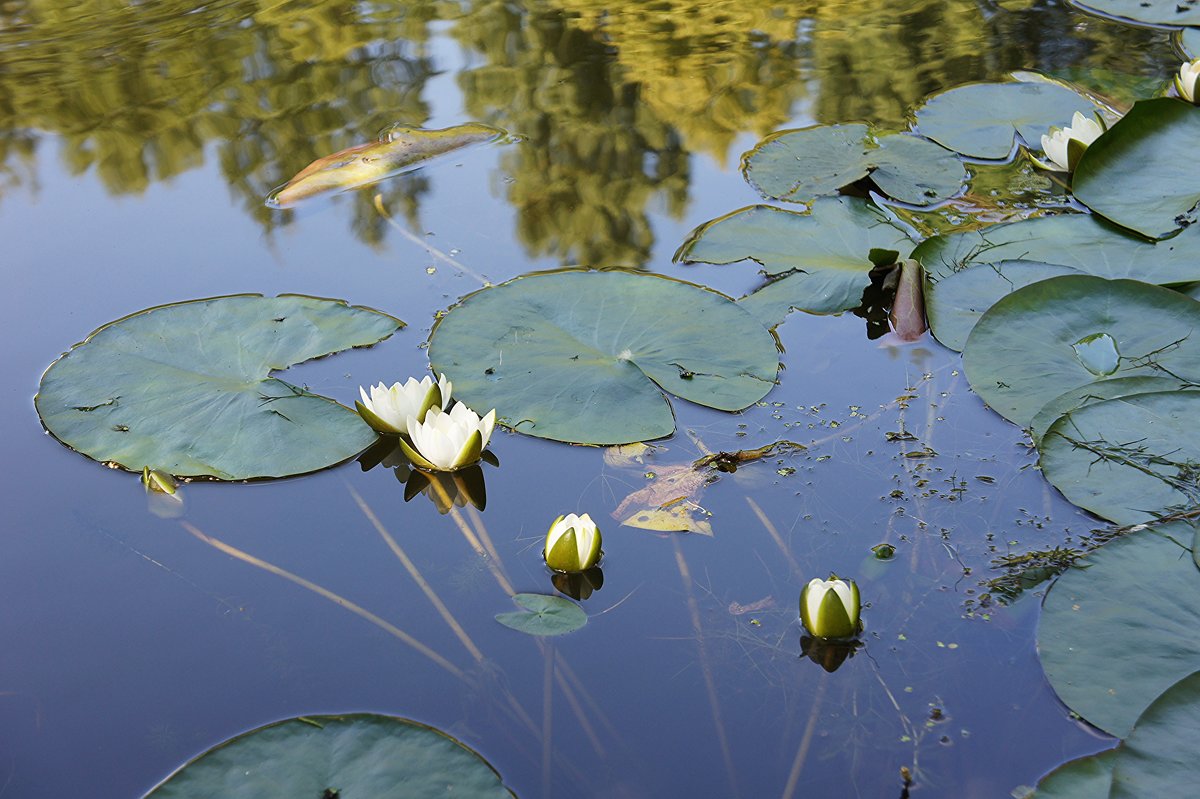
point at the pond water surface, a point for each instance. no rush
(137, 144)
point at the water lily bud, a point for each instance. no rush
(389, 409)
(573, 544)
(1063, 147)
(829, 608)
(1185, 81)
(448, 441)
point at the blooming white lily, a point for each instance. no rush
(1185, 81)
(389, 409)
(829, 608)
(573, 544)
(1064, 146)
(446, 441)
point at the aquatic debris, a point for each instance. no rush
(400, 148)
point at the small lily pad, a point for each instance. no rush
(548, 615)
(1020, 355)
(822, 254)
(801, 165)
(584, 356)
(1140, 173)
(1129, 459)
(982, 120)
(354, 756)
(186, 389)
(1119, 627)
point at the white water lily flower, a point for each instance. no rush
(446, 441)
(1185, 81)
(573, 544)
(1064, 146)
(830, 608)
(389, 409)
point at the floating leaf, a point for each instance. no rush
(186, 388)
(1140, 173)
(584, 356)
(1081, 241)
(1119, 627)
(1159, 756)
(682, 517)
(983, 119)
(666, 503)
(1085, 778)
(1097, 392)
(1130, 459)
(955, 302)
(399, 149)
(1020, 354)
(1189, 42)
(548, 615)
(353, 756)
(1152, 12)
(823, 252)
(800, 165)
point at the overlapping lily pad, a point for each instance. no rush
(1085, 778)
(186, 388)
(1025, 351)
(1139, 173)
(1098, 392)
(1151, 12)
(956, 302)
(584, 356)
(1119, 628)
(547, 615)
(1129, 459)
(982, 120)
(1159, 756)
(355, 756)
(821, 255)
(801, 165)
(1081, 241)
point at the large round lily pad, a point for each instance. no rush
(983, 119)
(355, 756)
(800, 165)
(1063, 333)
(1098, 392)
(584, 356)
(1129, 459)
(823, 252)
(955, 303)
(1119, 628)
(186, 388)
(1081, 241)
(1159, 756)
(1151, 12)
(1141, 172)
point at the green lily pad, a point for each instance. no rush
(584, 356)
(823, 252)
(548, 615)
(1119, 627)
(1188, 41)
(186, 388)
(1022, 353)
(955, 302)
(1084, 778)
(800, 165)
(1129, 459)
(1159, 756)
(355, 756)
(1151, 12)
(1081, 241)
(982, 120)
(1098, 392)
(1140, 173)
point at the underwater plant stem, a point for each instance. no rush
(774, 532)
(418, 578)
(705, 667)
(806, 739)
(486, 553)
(434, 251)
(337, 599)
(577, 708)
(547, 715)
